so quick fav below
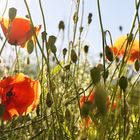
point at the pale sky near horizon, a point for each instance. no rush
(114, 14)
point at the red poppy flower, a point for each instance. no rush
(84, 99)
(119, 48)
(114, 105)
(19, 95)
(19, 32)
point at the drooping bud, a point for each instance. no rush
(109, 53)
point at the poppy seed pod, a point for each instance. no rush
(12, 13)
(86, 48)
(123, 83)
(89, 18)
(64, 51)
(44, 35)
(73, 56)
(95, 75)
(137, 65)
(61, 25)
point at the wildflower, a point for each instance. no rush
(86, 106)
(120, 45)
(19, 31)
(114, 105)
(19, 95)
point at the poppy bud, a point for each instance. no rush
(137, 65)
(120, 28)
(51, 40)
(95, 75)
(53, 49)
(86, 108)
(49, 101)
(89, 18)
(64, 51)
(28, 60)
(2, 110)
(68, 114)
(100, 99)
(109, 54)
(67, 67)
(81, 29)
(61, 25)
(44, 35)
(12, 13)
(73, 56)
(86, 48)
(101, 55)
(75, 17)
(30, 46)
(123, 83)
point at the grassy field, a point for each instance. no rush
(47, 96)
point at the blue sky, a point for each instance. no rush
(114, 14)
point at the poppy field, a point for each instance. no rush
(48, 93)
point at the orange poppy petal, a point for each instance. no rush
(37, 29)
(20, 95)
(20, 30)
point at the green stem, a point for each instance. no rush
(102, 30)
(17, 58)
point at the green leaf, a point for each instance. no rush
(30, 46)
(56, 69)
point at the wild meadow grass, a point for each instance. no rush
(77, 100)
